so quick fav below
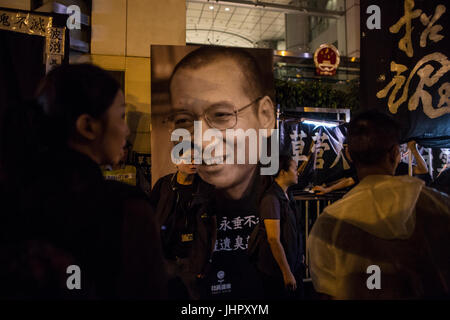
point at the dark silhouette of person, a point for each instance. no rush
(63, 214)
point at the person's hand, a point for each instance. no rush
(289, 281)
(412, 145)
(320, 190)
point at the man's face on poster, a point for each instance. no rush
(221, 83)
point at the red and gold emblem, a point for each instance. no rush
(326, 59)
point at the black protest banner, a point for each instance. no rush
(405, 66)
(327, 161)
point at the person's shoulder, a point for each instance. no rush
(269, 190)
(167, 177)
(270, 196)
(433, 207)
(127, 199)
(265, 183)
(434, 201)
(165, 180)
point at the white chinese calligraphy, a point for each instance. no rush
(239, 244)
(250, 220)
(321, 147)
(339, 150)
(228, 240)
(237, 223)
(232, 244)
(298, 145)
(225, 224)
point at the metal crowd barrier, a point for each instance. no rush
(312, 206)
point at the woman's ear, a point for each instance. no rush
(88, 127)
(266, 113)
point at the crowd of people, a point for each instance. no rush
(61, 211)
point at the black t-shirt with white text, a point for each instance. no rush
(232, 275)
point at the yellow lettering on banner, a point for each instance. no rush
(405, 43)
(432, 30)
(398, 80)
(429, 76)
(426, 79)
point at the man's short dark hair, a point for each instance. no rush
(371, 135)
(284, 163)
(253, 84)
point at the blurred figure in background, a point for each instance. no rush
(121, 171)
(188, 227)
(280, 255)
(387, 237)
(420, 170)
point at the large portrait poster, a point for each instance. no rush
(164, 58)
(405, 65)
(219, 89)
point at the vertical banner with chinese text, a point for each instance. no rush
(405, 65)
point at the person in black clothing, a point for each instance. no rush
(188, 227)
(280, 258)
(63, 212)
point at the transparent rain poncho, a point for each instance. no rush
(394, 223)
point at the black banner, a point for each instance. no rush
(405, 65)
(327, 161)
